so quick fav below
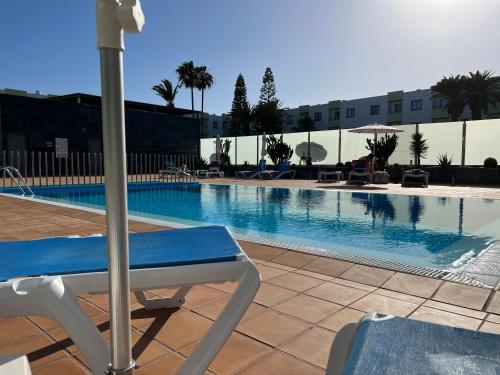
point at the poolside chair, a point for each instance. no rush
(391, 345)
(172, 170)
(361, 172)
(283, 170)
(246, 175)
(213, 170)
(415, 177)
(43, 277)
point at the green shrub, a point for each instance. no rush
(348, 164)
(278, 150)
(339, 164)
(490, 163)
(444, 160)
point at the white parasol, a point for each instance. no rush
(376, 129)
(218, 147)
(263, 148)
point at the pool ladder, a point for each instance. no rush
(18, 179)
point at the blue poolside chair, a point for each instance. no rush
(387, 345)
(246, 175)
(362, 172)
(283, 171)
(43, 277)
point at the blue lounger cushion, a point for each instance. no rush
(62, 255)
(404, 346)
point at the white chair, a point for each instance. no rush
(43, 277)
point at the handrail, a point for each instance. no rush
(9, 170)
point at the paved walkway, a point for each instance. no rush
(303, 302)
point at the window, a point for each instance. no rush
(289, 119)
(416, 105)
(351, 112)
(317, 116)
(375, 110)
(438, 103)
(215, 125)
(336, 115)
(395, 107)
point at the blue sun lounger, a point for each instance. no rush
(43, 277)
(387, 345)
(247, 175)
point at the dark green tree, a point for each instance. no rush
(268, 113)
(452, 89)
(385, 147)
(240, 109)
(418, 147)
(305, 124)
(166, 90)
(186, 72)
(268, 89)
(278, 150)
(480, 91)
(204, 81)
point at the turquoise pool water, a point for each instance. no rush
(418, 230)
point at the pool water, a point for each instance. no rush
(418, 230)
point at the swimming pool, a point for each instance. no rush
(417, 230)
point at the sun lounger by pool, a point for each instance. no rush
(212, 171)
(172, 170)
(361, 172)
(252, 174)
(283, 171)
(43, 277)
(415, 177)
(393, 346)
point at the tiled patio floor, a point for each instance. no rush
(303, 301)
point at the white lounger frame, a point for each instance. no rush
(55, 298)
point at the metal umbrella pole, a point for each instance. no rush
(113, 19)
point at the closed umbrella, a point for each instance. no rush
(113, 19)
(218, 147)
(263, 149)
(376, 129)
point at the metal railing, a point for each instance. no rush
(16, 177)
(77, 168)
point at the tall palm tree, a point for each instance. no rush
(204, 81)
(186, 72)
(481, 90)
(167, 92)
(451, 88)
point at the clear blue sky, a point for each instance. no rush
(319, 50)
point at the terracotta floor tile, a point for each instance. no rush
(200, 295)
(490, 328)
(336, 293)
(384, 305)
(39, 350)
(180, 330)
(353, 284)
(272, 328)
(269, 295)
(279, 266)
(15, 329)
(65, 366)
(164, 366)
(367, 275)
(314, 275)
(401, 296)
(212, 310)
(455, 309)
(462, 295)
(145, 319)
(145, 350)
(412, 284)
(494, 305)
(267, 272)
(263, 252)
(341, 318)
(294, 259)
(101, 300)
(307, 308)
(281, 364)
(446, 318)
(237, 352)
(328, 266)
(295, 281)
(228, 286)
(44, 323)
(312, 346)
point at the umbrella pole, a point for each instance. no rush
(111, 23)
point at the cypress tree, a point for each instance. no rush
(240, 109)
(268, 89)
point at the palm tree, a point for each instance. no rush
(451, 88)
(186, 73)
(167, 92)
(481, 90)
(204, 81)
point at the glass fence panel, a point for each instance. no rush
(298, 142)
(353, 146)
(207, 148)
(402, 154)
(247, 150)
(482, 141)
(442, 138)
(324, 147)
